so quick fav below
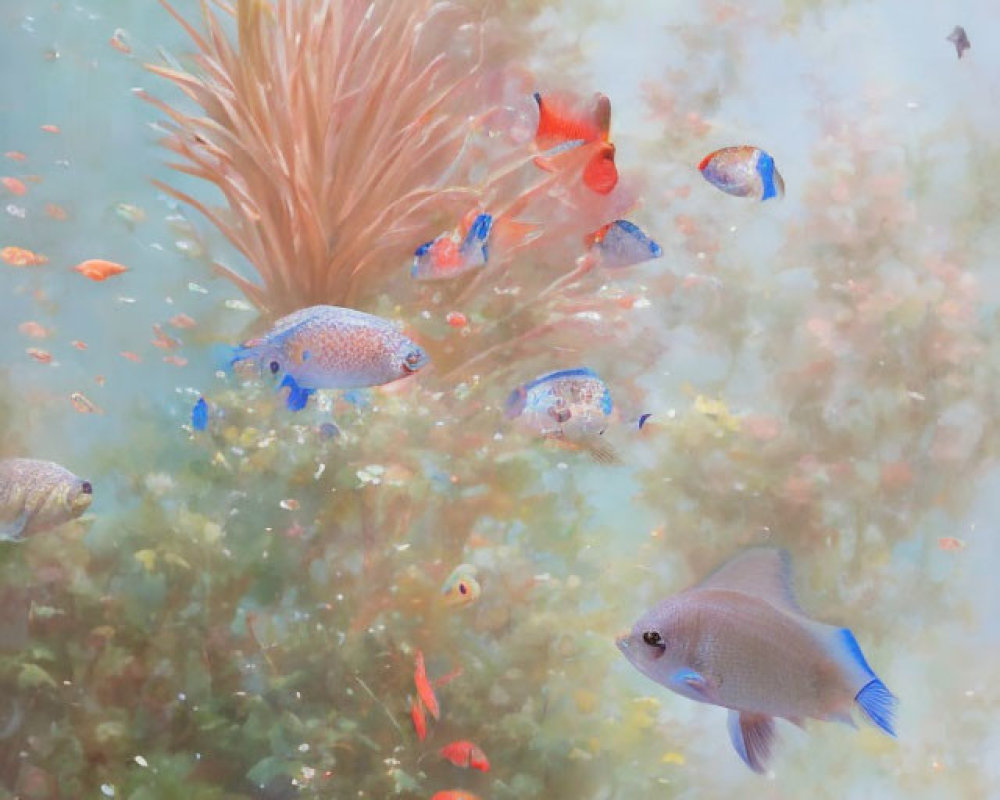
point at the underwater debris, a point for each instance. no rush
(960, 39)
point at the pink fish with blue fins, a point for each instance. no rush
(739, 640)
(743, 171)
(449, 256)
(328, 347)
(623, 244)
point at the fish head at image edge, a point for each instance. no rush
(412, 358)
(654, 645)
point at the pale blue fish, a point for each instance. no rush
(743, 171)
(449, 256)
(327, 347)
(622, 244)
(739, 640)
(571, 407)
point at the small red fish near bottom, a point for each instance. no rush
(41, 356)
(419, 718)
(134, 357)
(950, 543)
(466, 754)
(424, 688)
(454, 794)
(78, 344)
(177, 361)
(457, 319)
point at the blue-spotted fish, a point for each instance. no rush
(743, 171)
(622, 244)
(451, 255)
(570, 407)
(36, 496)
(327, 347)
(739, 640)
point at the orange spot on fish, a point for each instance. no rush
(49, 128)
(182, 321)
(177, 361)
(466, 754)
(20, 257)
(41, 356)
(57, 212)
(33, 330)
(457, 319)
(98, 269)
(419, 718)
(134, 357)
(78, 344)
(950, 543)
(82, 404)
(424, 688)
(15, 155)
(14, 186)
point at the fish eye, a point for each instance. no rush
(86, 488)
(462, 588)
(413, 358)
(653, 639)
(275, 366)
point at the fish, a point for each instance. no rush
(454, 794)
(451, 255)
(21, 257)
(182, 321)
(33, 330)
(36, 496)
(465, 754)
(328, 347)
(199, 415)
(41, 356)
(424, 689)
(740, 640)
(461, 587)
(622, 244)
(97, 269)
(419, 718)
(83, 404)
(960, 39)
(14, 186)
(743, 171)
(564, 124)
(570, 407)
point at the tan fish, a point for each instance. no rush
(739, 640)
(38, 495)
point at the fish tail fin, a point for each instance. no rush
(603, 453)
(479, 233)
(225, 357)
(753, 738)
(769, 177)
(879, 705)
(298, 396)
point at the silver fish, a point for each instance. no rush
(739, 640)
(36, 496)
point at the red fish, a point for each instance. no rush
(424, 688)
(466, 754)
(98, 269)
(419, 718)
(562, 123)
(454, 794)
(14, 186)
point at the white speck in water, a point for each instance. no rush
(16, 211)
(181, 696)
(125, 300)
(319, 471)
(197, 288)
(238, 305)
(642, 302)
(403, 547)
(303, 748)
(141, 761)
(671, 413)
(107, 790)
(913, 105)
(562, 465)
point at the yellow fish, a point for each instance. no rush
(36, 496)
(461, 588)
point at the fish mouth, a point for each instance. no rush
(621, 641)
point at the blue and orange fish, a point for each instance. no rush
(451, 255)
(739, 640)
(570, 407)
(743, 171)
(564, 124)
(622, 244)
(327, 347)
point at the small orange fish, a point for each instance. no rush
(14, 186)
(98, 269)
(41, 356)
(182, 321)
(134, 357)
(119, 41)
(454, 794)
(51, 128)
(177, 361)
(950, 543)
(78, 344)
(15, 155)
(419, 718)
(56, 212)
(33, 330)
(424, 688)
(457, 319)
(163, 340)
(466, 754)
(20, 257)
(82, 404)
(562, 122)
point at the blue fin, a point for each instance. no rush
(297, 396)
(879, 705)
(478, 233)
(752, 736)
(578, 372)
(643, 419)
(854, 649)
(515, 402)
(199, 415)
(606, 404)
(691, 684)
(765, 167)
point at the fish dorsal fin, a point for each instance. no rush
(764, 572)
